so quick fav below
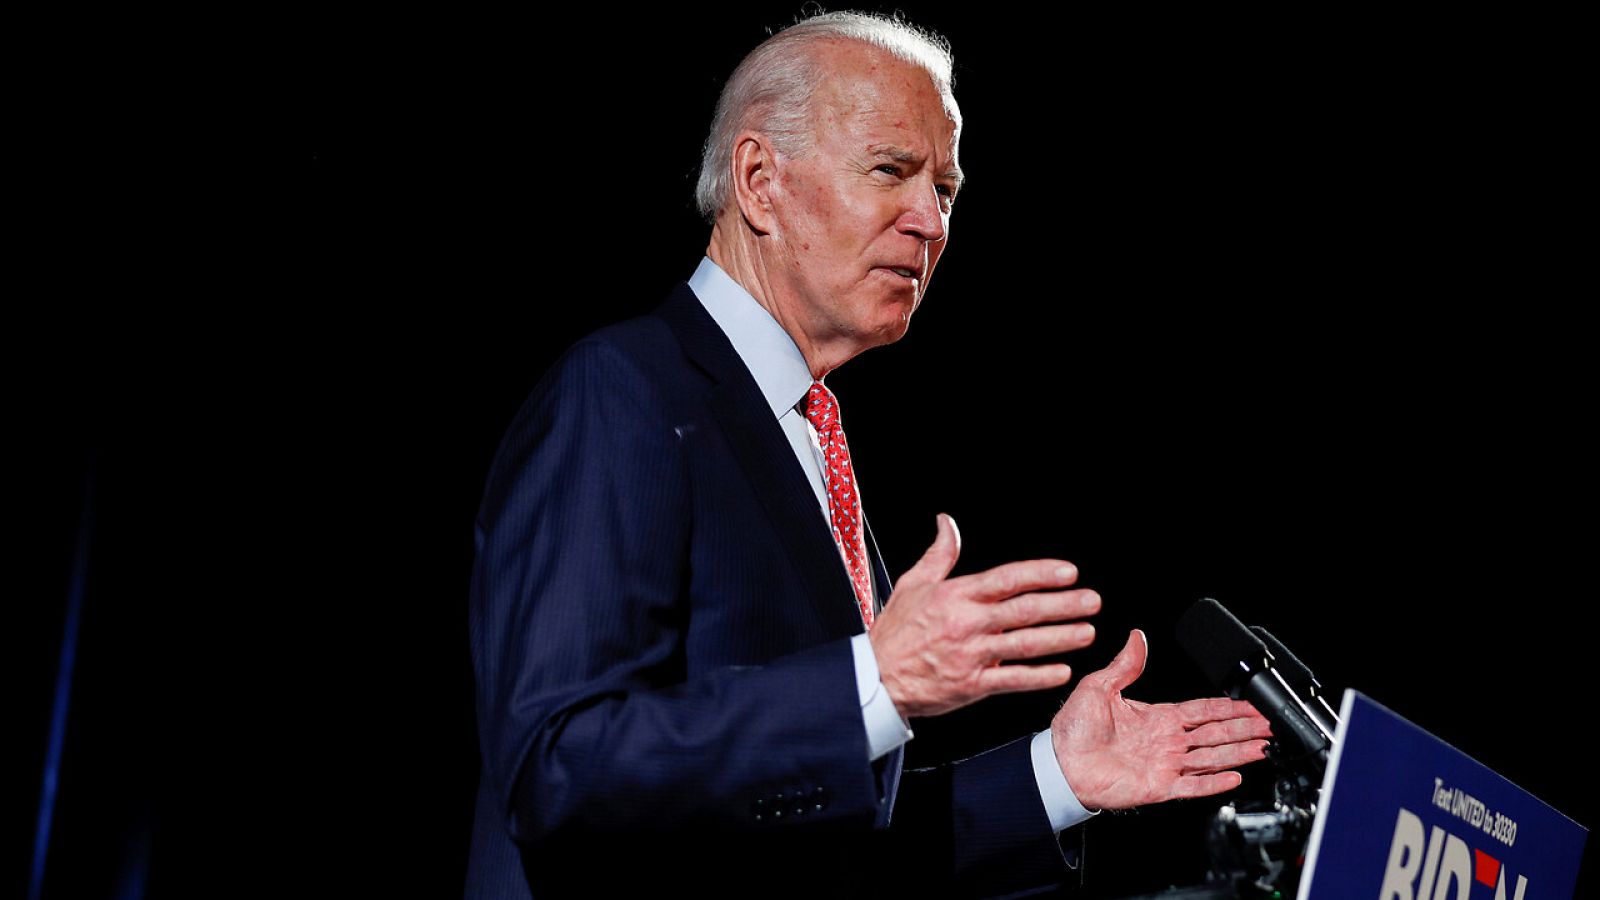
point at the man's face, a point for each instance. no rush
(862, 217)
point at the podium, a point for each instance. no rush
(1405, 816)
(1402, 815)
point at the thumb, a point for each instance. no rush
(1128, 665)
(940, 558)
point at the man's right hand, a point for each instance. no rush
(940, 641)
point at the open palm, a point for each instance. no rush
(1118, 753)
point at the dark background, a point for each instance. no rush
(1277, 311)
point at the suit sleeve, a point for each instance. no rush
(984, 815)
(588, 719)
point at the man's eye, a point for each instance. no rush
(889, 169)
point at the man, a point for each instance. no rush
(692, 669)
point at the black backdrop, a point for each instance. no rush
(1271, 310)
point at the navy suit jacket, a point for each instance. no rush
(660, 626)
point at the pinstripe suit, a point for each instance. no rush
(660, 631)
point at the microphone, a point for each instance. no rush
(1238, 663)
(1300, 680)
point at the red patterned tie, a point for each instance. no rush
(844, 502)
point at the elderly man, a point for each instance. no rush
(692, 669)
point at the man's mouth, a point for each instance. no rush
(912, 272)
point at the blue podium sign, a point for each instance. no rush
(1406, 816)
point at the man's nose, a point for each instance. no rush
(924, 214)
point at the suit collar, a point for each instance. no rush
(766, 459)
(778, 366)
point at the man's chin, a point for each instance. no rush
(891, 325)
(893, 331)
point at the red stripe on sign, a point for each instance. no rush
(1488, 868)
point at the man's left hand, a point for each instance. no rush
(1119, 753)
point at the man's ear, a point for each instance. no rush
(754, 172)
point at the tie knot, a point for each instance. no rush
(822, 408)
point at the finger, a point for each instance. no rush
(1228, 756)
(1204, 785)
(1055, 606)
(1041, 640)
(1215, 734)
(941, 556)
(1128, 664)
(1014, 679)
(1214, 709)
(1011, 579)
(1246, 708)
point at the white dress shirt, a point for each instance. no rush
(781, 373)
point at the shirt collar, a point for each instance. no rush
(765, 348)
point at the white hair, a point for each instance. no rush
(771, 89)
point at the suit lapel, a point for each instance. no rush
(882, 587)
(767, 460)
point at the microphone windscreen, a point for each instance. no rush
(1288, 665)
(1218, 643)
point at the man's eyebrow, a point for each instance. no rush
(902, 155)
(898, 154)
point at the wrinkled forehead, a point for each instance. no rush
(871, 85)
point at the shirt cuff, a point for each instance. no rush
(1060, 803)
(885, 729)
